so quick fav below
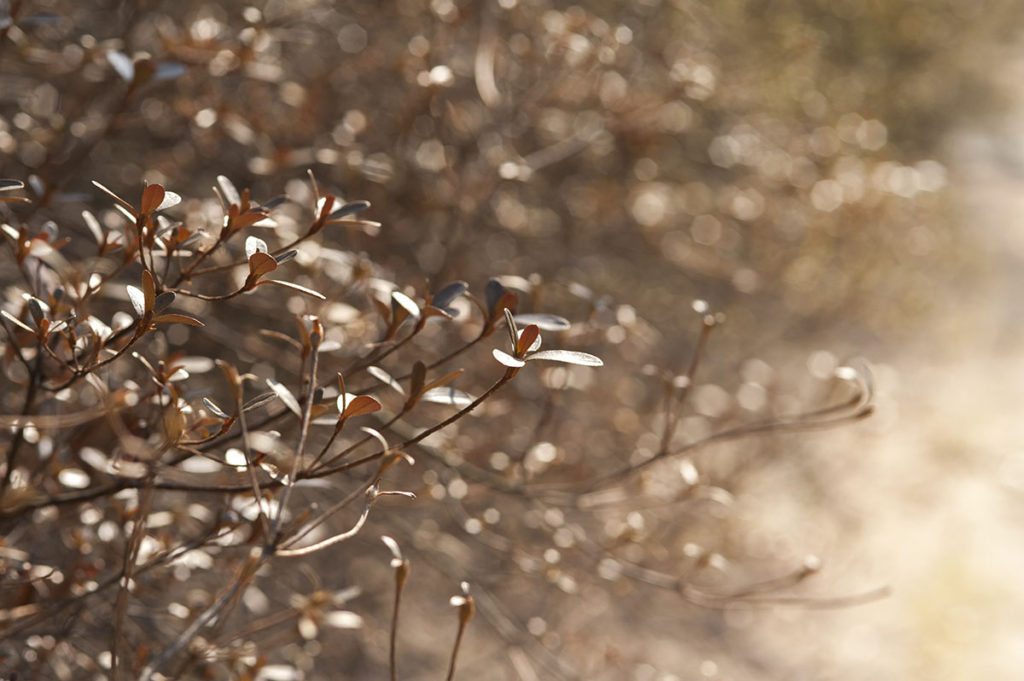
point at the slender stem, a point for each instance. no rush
(131, 555)
(257, 495)
(307, 407)
(19, 435)
(246, 574)
(455, 650)
(673, 402)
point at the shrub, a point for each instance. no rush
(226, 412)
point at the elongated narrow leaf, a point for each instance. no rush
(385, 378)
(259, 401)
(212, 407)
(400, 300)
(546, 322)
(448, 396)
(123, 64)
(567, 356)
(417, 378)
(350, 208)
(169, 70)
(14, 320)
(228, 191)
(285, 396)
(120, 202)
(94, 226)
(295, 287)
(8, 185)
(507, 359)
(148, 290)
(513, 331)
(286, 256)
(444, 380)
(174, 318)
(138, 300)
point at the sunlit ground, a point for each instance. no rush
(936, 480)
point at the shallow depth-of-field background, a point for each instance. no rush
(838, 180)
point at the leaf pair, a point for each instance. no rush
(9, 185)
(526, 347)
(261, 262)
(148, 306)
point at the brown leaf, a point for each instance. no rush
(359, 405)
(174, 318)
(152, 197)
(261, 263)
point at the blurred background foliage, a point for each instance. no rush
(612, 161)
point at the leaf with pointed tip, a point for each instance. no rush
(285, 257)
(120, 202)
(228, 191)
(259, 401)
(261, 263)
(152, 197)
(448, 396)
(255, 244)
(137, 299)
(385, 378)
(400, 300)
(212, 407)
(507, 359)
(295, 287)
(444, 380)
(513, 332)
(8, 185)
(546, 322)
(350, 208)
(359, 405)
(15, 199)
(285, 395)
(174, 318)
(123, 64)
(567, 356)
(8, 316)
